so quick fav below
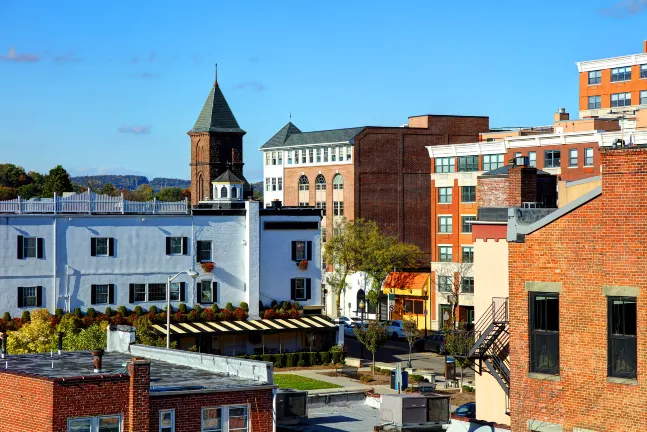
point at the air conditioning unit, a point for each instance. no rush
(415, 410)
(291, 406)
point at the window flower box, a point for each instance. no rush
(303, 265)
(207, 266)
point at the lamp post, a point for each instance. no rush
(193, 275)
(361, 311)
(424, 291)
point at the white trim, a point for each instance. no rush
(611, 62)
(172, 411)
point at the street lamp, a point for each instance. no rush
(193, 275)
(424, 291)
(361, 311)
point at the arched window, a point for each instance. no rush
(320, 182)
(338, 182)
(223, 192)
(234, 192)
(201, 188)
(304, 184)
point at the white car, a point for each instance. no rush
(349, 329)
(395, 330)
(343, 320)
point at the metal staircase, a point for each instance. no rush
(491, 337)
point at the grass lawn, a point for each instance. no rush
(298, 382)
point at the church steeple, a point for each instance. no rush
(216, 116)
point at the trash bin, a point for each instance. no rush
(450, 369)
(405, 380)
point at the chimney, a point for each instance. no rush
(138, 395)
(561, 115)
(60, 343)
(3, 337)
(98, 358)
(645, 46)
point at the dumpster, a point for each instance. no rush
(405, 380)
(450, 369)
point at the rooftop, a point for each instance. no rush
(290, 136)
(165, 376)
(503, 171)
(216, 116)
(406, 280)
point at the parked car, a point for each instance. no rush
(349, 329)
(343, 320)
(467, 410)
(434, 342)
(395, 330)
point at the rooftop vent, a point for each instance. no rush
(277, 204)
(97, 356)
(561, 110)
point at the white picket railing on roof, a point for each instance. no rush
(90, 202)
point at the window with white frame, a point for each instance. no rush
(517, 154)
(303, 156)
(273, 184)
(338, 208)
(342, 154)
(280, 154)
(30, 247)
(338, 182)
(532, 159)
(167, 421)
(206, 290)
(320, 182)
(321, 205)
(445, 284)
(325, 155)
(620, 99)
(572, 157)
(595, 102)
(280, 180)
(445, 253)
(304, 188)
(552, 159)
(445, 195)
(102, 294)
(139, 292)
(273, 158)
(102, 246)
(212, 420)
(267, 184)
(333, 154)
(643, 97)
(445, 224)
(204, 250)
(595, 77)
(493, 161)
(643, 71)
(225, 419)
(311, 155)
(318, 155)
(349, 153)
(300, 288)
(588, 156)
(29, 297)
(300, 248)
(268, 157)
(107, 423)
(621, 74)
(444, 164)
(289, 157)
(175, 245)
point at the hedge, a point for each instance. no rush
(301, 359)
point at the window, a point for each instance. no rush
(273, 158)
(468, 163)
(622, 348)
(29, 296)
(101, 294)
(413, 306)
(267, 184)
(311, 155)
(207, 291)
(223, 190)
(466, 226)
(321, 205)
(444, 165)
(324, 236)
(156, 292)
(102, 246)
(445, 195)
(445, 224)
(318, 155)
(349, 153)
(532, 159)
(299, 288)
(167, 421)
(303, 156)
(304, 188)
(643, 71)
(491, 162)
(552, 159)
(175, 245)
(588, 156)
(445, 283)
(320, 182)
(95, 424)
(139, 292)
(280, 183)
(175, 291)
(204, 250)
(290, 157)
(338, 208)
(280, 152)
(621, 74)
(342, 152)
(544, 333)
(467, 285)
(325, 157)
(572, 158)
(445, 253)
(333, 154)
(234, 191)
(620, 99)
(468, 194)
(338, 182)
(468, 254)
(643, 97)
(595, 77)
(516, 155)
(30, 247)
(595, 102)
(238, 419)
(212, 420)
(300, 253)
(268, 157)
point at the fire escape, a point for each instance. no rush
(491, 337)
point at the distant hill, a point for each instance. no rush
(129, 182)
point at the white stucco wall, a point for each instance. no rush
(273, 171)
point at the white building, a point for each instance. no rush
(98, 251)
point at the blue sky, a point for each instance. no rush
(113, 87)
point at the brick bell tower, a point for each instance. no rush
(216, 144)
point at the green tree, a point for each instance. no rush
(108, 189)
(31, 190)
(169, 194)
(12, 175)
(410, 328)
(35, 337)
(458, 342)
(91, 338)
(58, 180)
(7, 193)
(372, 337)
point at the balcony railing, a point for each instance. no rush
(89, 203)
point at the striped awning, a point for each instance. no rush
(311, 322)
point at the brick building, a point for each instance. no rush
(135, 389)
(577, 307)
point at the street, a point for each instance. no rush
(398, 351)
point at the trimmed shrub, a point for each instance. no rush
(182, 308)
(291, 360)
(193, 316)
(325, 357)
(6, 317)
(25, 316)
(313, 359)
(267, 358)
(279, 360)
(297, 306)
(244, 306)
(336, 357)
(366, 378)
(152, 309)
(303, 357)
(215, 308)
(285, 305)
(123, 311)
(229, 307)
(108, 311)
(91, 313)
(139, 311)
(301, 363)
(468, 389)
(58, 313)
(78, 313)
(197, 308)
(274, 304)
(255, 357)
(415, 377)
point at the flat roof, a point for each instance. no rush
(164, 376)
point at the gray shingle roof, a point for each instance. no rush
(290, 135)
(228, 176)
(216, 116)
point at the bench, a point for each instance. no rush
(348, 371)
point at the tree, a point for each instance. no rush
(372, 337)
(7, 193)
(37, 336)
(169, 194)
(31, 190)
(449, 281)
(410, 328)
(458, 342)
(58, 180)
(12, 176)
(108, 189)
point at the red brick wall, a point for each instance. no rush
(492, 191)
(138, 399)
(188, 408)
(601, 243)
(27, 403)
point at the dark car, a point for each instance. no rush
(434, 342)
(467, 410)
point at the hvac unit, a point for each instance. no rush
(415, 410)
(291, 406)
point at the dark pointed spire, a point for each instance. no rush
(216, 116)
(215, 83)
